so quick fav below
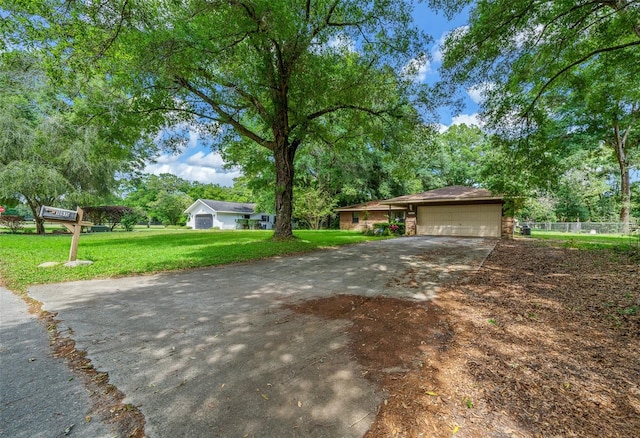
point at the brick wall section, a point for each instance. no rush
(374, 217)
(507, 227)
(410, 225)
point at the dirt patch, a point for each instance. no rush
(542, 341)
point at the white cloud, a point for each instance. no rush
(342, 43)
(417, 69)
(478, 93)
(527, 36)
(441, 128)
(201, 167)
(475, 93)
(168, 159)
(467, 119)
(212, 160)
(193, 139)
(437, 51)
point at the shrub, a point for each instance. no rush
(12, 221)
(381, 229)
(130, 219)
(386, 229)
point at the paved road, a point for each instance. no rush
(211, 352)
(39, 396)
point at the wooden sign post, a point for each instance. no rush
(72, 220)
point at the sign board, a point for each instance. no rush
(58, 214)
(1, 209)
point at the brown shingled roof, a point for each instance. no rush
(452, 193)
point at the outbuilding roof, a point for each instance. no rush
(446, 194)
(226, 207)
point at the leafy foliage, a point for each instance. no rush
(169, 208)
(274, 73)
(557, 78)
(13, 222)
(131, 218)
(50, 152)
(312, 206)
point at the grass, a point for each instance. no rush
(146, 251)
(589, 241)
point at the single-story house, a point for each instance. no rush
(205, 213)
(362, 216)
(449, 211)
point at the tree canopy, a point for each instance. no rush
(556, 77)
(50, 152)
(275, 73)
(535, 42)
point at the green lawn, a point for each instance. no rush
(146, 251)
(588, 241)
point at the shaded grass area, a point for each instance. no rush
(121, 253)
(590, 241)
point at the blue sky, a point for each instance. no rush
(197, 163)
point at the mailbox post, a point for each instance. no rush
(72, 220)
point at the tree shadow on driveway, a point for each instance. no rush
(213, 352)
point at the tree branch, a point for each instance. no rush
(573, 64)
(246, 96)
(224, 116)
(333, 109)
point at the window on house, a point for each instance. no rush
(354, 217)
(265, 219)
(397, 216)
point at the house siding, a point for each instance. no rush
(373, 217)
(224, 220)
(227, 221)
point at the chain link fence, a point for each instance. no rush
(581, 227)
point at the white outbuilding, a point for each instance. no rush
(205, 214)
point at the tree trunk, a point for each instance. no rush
(35, 211)
(284, 156)
(625, 189)
(625, 186)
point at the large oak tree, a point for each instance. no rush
(274, 72)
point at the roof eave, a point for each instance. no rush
(386, 208)
(440, 200)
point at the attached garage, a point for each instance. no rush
(453, 211)
(472, 220)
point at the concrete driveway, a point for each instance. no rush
(211, 352)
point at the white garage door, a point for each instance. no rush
(479, 220)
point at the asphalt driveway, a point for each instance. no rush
(211, 352)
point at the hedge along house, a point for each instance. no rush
(454, 211)
(205, 214)
(363, 216)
